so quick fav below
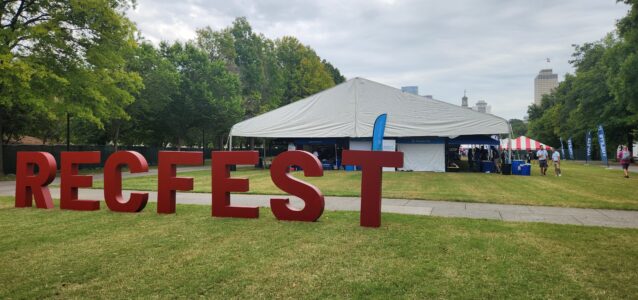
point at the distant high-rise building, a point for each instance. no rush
(464, 100)
(410, 89)
(544, 83)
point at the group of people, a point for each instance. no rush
(476, 155)
(623, 155)
(543, 156)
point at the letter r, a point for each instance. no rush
(30, 185)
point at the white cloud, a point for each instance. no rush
(491, 48)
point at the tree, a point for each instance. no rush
(161, 80)
(334, 72)
(252, 57)
(208, 96)
(304, 74)
(586, 99)
(60, 57)
(519, 127)
(271, 73)
(623, 79)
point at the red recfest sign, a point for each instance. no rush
(34, 187)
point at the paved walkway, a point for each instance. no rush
(515, 213)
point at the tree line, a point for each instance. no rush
(86, 61)
(602, 91)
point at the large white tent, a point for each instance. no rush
(349, 110)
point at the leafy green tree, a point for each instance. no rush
(272, 73)
(64, 57)
(251, 56)
(586, 99)
(209, 97)
(250, 61)
(519, 127)
(623, 79)
(334, 72)
(304, 74)
(161, 80)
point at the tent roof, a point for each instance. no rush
(524, 143)
(350, 109)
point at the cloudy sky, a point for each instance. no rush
(491, 48)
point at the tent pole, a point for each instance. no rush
(230, 142)
(336, 155)
(509, 143)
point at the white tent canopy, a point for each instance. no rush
(350, 109)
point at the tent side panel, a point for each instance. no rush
(423, 157)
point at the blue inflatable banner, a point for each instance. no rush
(603, 146)
(588, 143)
(570, 148)
(562, 149)
(377, 132)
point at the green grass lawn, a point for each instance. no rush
(580, 186)
(68, 254)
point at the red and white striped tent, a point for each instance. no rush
(524, 143)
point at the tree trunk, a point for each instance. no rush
(252, 143)
(68, 132)
(204, 146)
(116, 137)
(1, 150)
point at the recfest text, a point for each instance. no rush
(30, 186)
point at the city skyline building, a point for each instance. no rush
(544, 83)
(480, 106)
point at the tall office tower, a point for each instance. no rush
(464, 100)
(410, 89)
(544, 83)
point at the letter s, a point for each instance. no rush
(314, 202)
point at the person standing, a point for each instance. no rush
(542, 160)
(470, 159)
(496, 160)
(556, 160)
(625, 158)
